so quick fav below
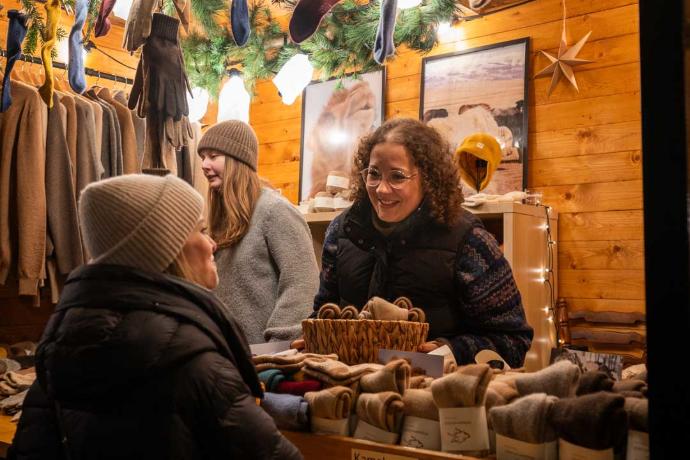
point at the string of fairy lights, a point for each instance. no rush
(548, 276)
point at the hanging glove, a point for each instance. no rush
(138, 25)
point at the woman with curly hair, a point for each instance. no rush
(407, 235)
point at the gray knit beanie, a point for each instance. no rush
(138, 220)
(233, 138)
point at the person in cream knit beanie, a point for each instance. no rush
(138, 220)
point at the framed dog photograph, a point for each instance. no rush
(335, 115)
(482, 90)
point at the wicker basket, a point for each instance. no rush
(358, 341)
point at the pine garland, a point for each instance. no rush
(342, 45)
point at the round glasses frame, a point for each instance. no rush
(395, 178)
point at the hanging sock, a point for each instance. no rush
(77, 78)
(239, 19)
(183, 8)
(52, 17)
(307, 16)
(102, 22)
(16, 31)
(384, 45)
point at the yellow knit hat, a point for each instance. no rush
(478, 146)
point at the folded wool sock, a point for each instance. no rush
(271, 378)
(16, 32)
(239, 21)
(394, 376)
(593, 381)
(102, 26)
(499, 394)
(337, 373)
(13, 404)
(20, 381)
(7, 389)
(332, 403)
(449, 366)
(632, 394)
(349, 312)
(383, 310)
(298, 376)
(630, 385)
(525, 419)
(365, 314)
(416, 315)
(403, 302)
(76, 75)
(420, 403)
(559, 379)
(420, 381)
(382, 410)
(595, 421)
(290, 363)
(638, 413)
(307, 16)
(298, 388)
(384, 45)
(636, 371)
(329, 311)
(289, 412)
(466, 387)
(8, 365)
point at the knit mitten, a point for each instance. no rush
(52, 18)
(349, 312)
(499, 394)
(138, 25)
(638, 413)
(239, 20)
(595, 421)
(102, 26)
(329, 311)
(420, 403)
(559, 379)
(525, 419)
(383, 310)
(465, 387)
(77, 78)
(382, 410)
(332, 403)
(271, 379)
(420, 381)
(307, 16)
(630, 385)
(298, 388)
(289, 412)
(16, 32)
(395, 376)
(593, 381)
(384, 45)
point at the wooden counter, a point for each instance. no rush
(7, 430)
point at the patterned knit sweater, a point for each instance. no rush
(489, 297)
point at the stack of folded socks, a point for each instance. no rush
(289, 412)
(383, 410)
(333, 373)
(525, 419)
(286, 363)
(333, 403)
(394, 376)
(271, 378)
(298, 388)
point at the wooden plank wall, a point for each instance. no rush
(584, 148)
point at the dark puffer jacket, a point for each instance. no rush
(144, 365)
(457, 275)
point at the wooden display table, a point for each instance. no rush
(318, 447)
(7, 430)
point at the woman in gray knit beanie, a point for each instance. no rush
(266, 261)
(138, 348)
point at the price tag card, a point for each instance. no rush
(372, 433)
(421, 433)
(568, 451)
(638, 445)
(464, 429)
(327, 426)
(512, 449)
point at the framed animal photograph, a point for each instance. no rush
(482, 90)
(335, 115)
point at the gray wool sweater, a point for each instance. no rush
(268, 280)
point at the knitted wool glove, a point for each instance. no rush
(307, 16)
(102, 26)
(593, 381)
(382, 410)
(384, 45)
(77, 78)
(395, 376)
(239, 20)
(52, 17)
(525, 419)
(420, 403)
(465, 387)
(138, 25)
(16, 32)
(559, 379)
(332, 403)
(595, 421)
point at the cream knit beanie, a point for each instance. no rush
(233, 138)
(138, 220)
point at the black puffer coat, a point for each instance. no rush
(144, 365)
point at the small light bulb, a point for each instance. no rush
(546, 309)
(549, 319)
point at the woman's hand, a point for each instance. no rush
(298, 344)
(428, 346)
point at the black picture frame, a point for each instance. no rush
(454, 132)
(308, 119)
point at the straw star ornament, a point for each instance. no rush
(563, 63)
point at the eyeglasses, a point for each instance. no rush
(396, 178)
